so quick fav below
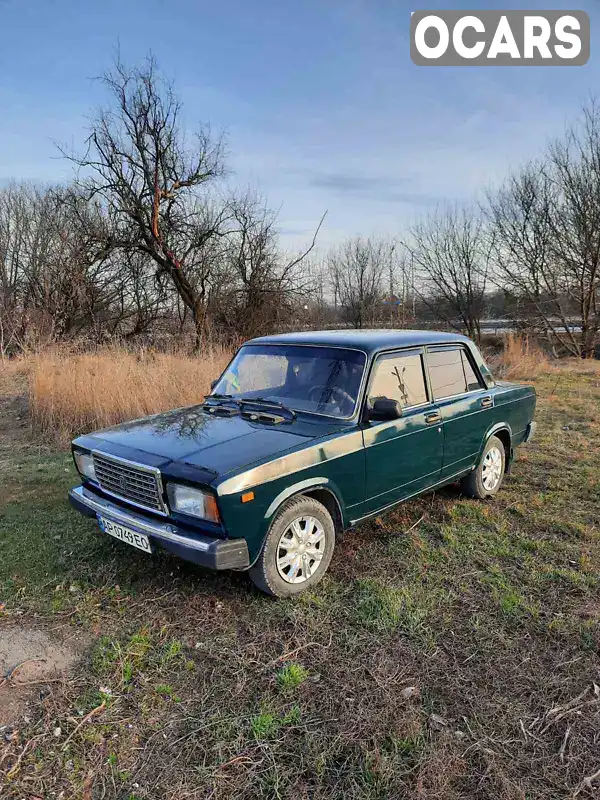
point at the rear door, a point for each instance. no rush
(403, 456)
(466, 405)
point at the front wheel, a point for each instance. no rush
(487, 477)
(297, 550)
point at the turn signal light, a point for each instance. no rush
(247, 497)
(210, 508)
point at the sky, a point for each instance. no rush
(321, 106)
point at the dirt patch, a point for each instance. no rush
(28, 657)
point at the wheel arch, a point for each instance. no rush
(320, 489)
(502, 431)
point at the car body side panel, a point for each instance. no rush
(403, 456)
(467, 426)
(465, 422)
(515, 403)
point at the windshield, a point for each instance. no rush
(321, 380)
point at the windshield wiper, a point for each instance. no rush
(219, 396)
(265, 401)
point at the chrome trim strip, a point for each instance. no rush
(343, 444)
(163, 510)
(401, 485)
(161, 530)
(297, 488)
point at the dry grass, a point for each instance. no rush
(523, 358)
(70, 393)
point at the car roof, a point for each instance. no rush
(370, 341)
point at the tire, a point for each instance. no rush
(280, 570)
(485, 480)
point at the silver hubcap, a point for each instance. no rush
(300, 550)
(492, 469)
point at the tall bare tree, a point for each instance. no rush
(359, 276)
(155, 185)
(547, 226)
(164, 198)
(451, 253)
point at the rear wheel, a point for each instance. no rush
(485, 480)
(297, 550)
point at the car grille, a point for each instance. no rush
(139, 485)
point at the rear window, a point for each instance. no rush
(451, 372)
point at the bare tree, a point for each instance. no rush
(54, 277)
(451, 253)
(257, 289)
(359, 276)
(164, 200)
(139, 165)
(547, 223)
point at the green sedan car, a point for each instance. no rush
(303, 436)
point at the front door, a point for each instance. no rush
(465, 404)
(403, 456)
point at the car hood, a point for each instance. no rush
(219, 444)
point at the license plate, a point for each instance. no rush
(126, 535)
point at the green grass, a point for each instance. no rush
(291, 676)
(481, 615)
(406, 609)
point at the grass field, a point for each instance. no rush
(451, 652)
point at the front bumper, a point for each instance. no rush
(208, 551)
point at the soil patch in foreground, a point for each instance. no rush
(28, 657)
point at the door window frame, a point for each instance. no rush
(384, 354)
(436, 348)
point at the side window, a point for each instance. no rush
(472, 381)
(451, 373)
(399, 377)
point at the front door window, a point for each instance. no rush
(399, 377)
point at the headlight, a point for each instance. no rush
(85, 464)
(191, 501)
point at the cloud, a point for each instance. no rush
(351, 182)
(376, 187)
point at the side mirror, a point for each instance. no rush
(384, 409)
(213, 384)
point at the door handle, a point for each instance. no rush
(487, 402)
(432, 418)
